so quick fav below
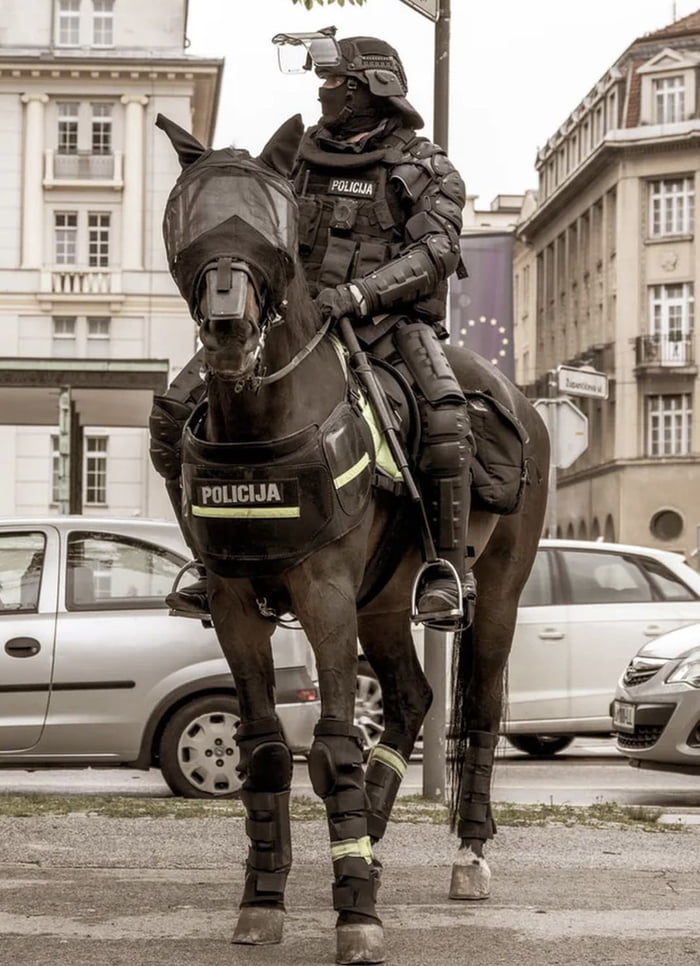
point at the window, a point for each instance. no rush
(669, 99)
(21, 563)
(669, 425)
(103, 23)
(537, 592)
(95, 470)
(672, 314)
(55, 470)
(98, 239)
(67, 127)
(63, 344)
(605, 578)
(68, 23)
(98, 329)
(101, 128)
(65, 237)
(671, 207)
(110, 572)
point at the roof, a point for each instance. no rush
(679, 28)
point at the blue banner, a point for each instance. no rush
(481, 306)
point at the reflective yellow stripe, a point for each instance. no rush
(341, 352)
(247, 512)
(382, 453)
(392, 759)
(350, 474)
(361, 848)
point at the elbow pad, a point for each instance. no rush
(407, 278)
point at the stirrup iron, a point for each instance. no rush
(445, 571)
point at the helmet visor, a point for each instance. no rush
(299, 52)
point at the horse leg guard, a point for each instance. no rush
(266, 766)
(335, 769)
(385, 770)
(471, 876)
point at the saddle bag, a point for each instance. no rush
(499, 467)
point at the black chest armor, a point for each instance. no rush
(351, 219)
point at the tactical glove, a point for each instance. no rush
(337, 302)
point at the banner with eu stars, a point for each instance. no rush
(481, 306)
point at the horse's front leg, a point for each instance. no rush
(265, 761)
(324, 600)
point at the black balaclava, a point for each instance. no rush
(351, 110)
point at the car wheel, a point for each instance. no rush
(369, 708)
(198, 754)
(540, 745)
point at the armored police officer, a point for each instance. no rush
(380, 219)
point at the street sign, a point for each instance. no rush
(429, 8)
(582, 381)
(568, 429)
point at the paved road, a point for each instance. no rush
(591, 770)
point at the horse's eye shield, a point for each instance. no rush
(226, 214)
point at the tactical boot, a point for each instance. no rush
(443, 602)
(190, 601)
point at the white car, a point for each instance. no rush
(94, 671)
(586, 609)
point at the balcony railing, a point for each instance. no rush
(667, 351)
(83, 168)
(71, 281)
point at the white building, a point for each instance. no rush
(90, 321)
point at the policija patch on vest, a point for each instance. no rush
(354, 187)
(278, 499)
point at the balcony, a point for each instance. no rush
(676, 350)
(83, 287)
(83, 169)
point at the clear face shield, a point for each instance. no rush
(316, 50)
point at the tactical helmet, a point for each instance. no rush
(377, 64)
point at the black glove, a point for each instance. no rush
(336, 302)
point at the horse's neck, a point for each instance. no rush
(301, 398)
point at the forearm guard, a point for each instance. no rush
(407, 278)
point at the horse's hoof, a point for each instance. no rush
(259, 926)
(360, 943)
(471, 878)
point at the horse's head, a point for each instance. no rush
(230, 235)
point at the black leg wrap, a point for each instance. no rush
(385, 770)
(475, 817)
(266, 767)
(335, 769)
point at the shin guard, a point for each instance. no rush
(475, 817)
(386, 768)
(335, 769)
(266, 767)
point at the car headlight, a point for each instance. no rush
(687, 672)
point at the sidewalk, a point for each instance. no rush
(93, 891)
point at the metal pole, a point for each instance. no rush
(435, 642)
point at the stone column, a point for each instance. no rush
(133, 196)
(32, 181)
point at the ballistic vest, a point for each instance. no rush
(351, 220)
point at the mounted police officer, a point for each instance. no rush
(380, 219)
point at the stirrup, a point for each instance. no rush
(195, 565)
(451, 617)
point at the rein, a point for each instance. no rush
(255, 381)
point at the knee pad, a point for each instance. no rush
(425, 359)
(266, 761)
(447, 440)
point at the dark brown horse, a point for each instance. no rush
(277, 475)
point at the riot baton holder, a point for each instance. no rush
(387, 426)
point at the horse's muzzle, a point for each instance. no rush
(229, 345)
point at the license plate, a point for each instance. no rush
(623, 716)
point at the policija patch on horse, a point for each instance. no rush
(262, 500)
(354, 187)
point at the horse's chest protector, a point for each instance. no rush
(257, 509)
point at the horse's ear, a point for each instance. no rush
(281, 150)
(187, 146)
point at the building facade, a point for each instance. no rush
(90, 322)
(605, 274)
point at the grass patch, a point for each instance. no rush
(410, 809)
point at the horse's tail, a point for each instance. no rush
(461, 717)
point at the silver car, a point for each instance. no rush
(94, 671)
(656, 710)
